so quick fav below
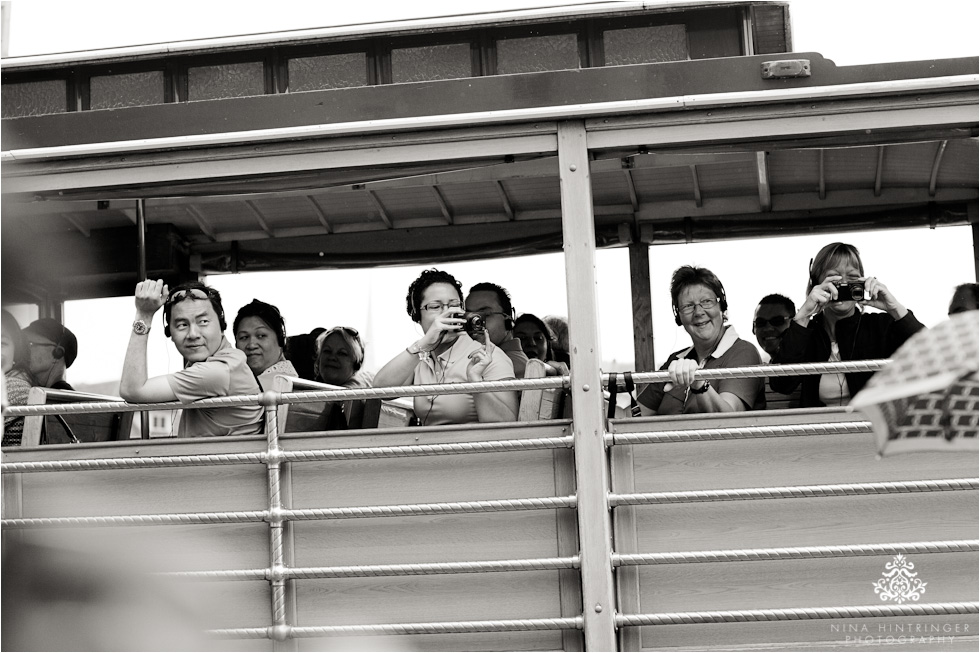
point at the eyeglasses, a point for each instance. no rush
(687, 309)
(437, 307)
(487, 313)
(778, 321)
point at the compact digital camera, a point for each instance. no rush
(475, 326)
(850, 291)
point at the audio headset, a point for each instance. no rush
(212, 295)
(59, 347)
(722, 301)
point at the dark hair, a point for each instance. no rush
(690, 275)
(268, 314)
(502, 295)
(830, 256)
(543, 328)
(965, 290)
(413, 301)
(779, 300)
(213, 296)
(22, 354)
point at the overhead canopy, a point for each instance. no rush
(454, 169)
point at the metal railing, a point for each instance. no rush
(278, 515)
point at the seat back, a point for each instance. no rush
(317, 415)
(62, 429)
(542, 403)
(777, 400)
(388, 413)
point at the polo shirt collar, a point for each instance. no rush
(726, 342)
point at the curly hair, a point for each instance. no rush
(413, 300)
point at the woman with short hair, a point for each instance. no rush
(700, 306)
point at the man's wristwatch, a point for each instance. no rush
(702, 389)
(141, 328)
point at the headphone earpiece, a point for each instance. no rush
(677, 316)
(509, 320)
(58, 353)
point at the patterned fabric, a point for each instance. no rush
(18, 385)
(927, 398)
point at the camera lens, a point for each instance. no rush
(857, 291)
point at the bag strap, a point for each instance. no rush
(613, 389)
(630, 388)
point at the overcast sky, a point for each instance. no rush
(921, 266)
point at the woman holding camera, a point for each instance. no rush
(700, 306)
(447, 354)
(832, 325)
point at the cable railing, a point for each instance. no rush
(278, 515)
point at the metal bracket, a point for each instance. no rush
(786, 68)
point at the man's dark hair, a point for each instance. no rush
(503, 297)
(180, 293)
(779, 300)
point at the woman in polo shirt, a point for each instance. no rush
(700, 306)
(446, 354)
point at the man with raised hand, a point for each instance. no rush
(493, 303)
(195, 320)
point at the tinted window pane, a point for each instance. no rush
(34, 98)
(645, 45)
(537, 53)
(329, 71)
(229, 80)
(450, 61)
(131, 90)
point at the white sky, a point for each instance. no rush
(921, 266)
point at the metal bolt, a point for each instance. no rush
(586, 388)
(598, 607)
(572, 168)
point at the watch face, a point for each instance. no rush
(140, 328)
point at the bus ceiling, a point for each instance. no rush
(678, 152)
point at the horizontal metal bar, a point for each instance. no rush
(415, 628)
(449, 448)
(738, 433)
(797, 614)
(359, 571)
(795, 492)
(753, 371)
(460, 507)
(794, 553)
(196, 460)
(279, 398)
(562, 112)
(307, 514)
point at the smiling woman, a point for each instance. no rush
(701, 307)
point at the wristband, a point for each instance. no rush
(702, 390)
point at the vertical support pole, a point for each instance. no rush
(624, 533)
(595, 531)
(141, 273)
(971, 212)
(642, 307)
(280, 630)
